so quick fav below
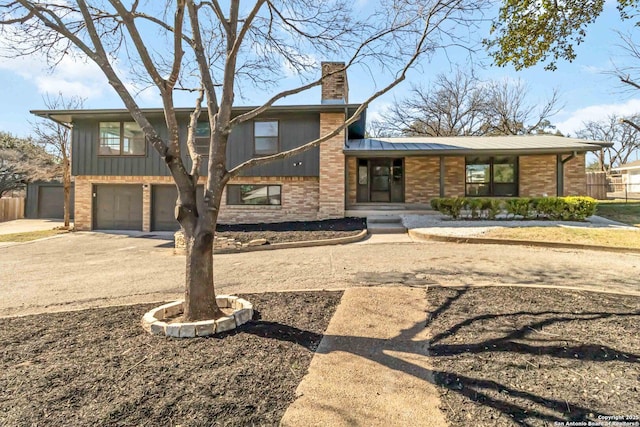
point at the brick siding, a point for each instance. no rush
(299, 199)
(454, 176)
(537, 175)
(422, 179)
(575, 177)
(352, 180)
(334, 87)
(332, 168)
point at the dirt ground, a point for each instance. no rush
(293, 231)
(98, 367)
(517, 356)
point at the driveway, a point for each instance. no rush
(27, 225)
(80, 270)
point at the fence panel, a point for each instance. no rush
(11, 208)
(597, 185)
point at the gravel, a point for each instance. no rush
(442, 226)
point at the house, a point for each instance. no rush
(122, 183)
(630, 173)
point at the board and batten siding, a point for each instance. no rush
(295, 129)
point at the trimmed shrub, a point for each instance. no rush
(571, 208)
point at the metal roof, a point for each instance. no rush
(460, 145)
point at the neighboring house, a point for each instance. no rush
(630, 173)
(122, 183)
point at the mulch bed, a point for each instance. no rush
(293, 231)
(98, 367)
(521, 356)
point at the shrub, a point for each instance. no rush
(563, 208)
(520, 206)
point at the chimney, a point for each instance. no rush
(335, 88)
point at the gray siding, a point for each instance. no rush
(295, 130)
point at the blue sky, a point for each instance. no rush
(586, 91)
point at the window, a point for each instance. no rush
(121, 139)
(265, 136)
(203, 134)
(491, 176)
(241, 194)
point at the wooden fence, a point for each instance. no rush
(12, 208)
(597, 185)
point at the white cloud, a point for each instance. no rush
(574, 120)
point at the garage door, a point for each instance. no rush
(117, 207)
(163, 202)
(50, 202)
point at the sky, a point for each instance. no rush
(586, 91)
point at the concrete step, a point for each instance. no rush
(385, 225)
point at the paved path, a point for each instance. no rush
(80, 270)
(371, 367)
(26, 225)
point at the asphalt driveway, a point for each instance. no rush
(81, 270)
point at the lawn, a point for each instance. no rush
(578, 235)
(29, 236)
(629, 213)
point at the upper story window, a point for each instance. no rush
(265, 136)
(121, 139)
(491, 176)
(203, 137)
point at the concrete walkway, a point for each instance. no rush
(27, 225)
(371, 367)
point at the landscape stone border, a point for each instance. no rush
(154, 321)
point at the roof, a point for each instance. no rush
(461, 145)
(627, 166)
(68, 116)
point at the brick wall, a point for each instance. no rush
(537, 175)
(422, 179)
(332, 168)
(454, 176)
(575, 177)
(334, 87)
(299, 199)
(352, 180)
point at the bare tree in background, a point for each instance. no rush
(615, 129)
(56, 139)
(196, 45)
(460, 104)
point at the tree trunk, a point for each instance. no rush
(200, 300)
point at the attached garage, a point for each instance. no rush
(163, 202)
(117, 207)
(46, 200)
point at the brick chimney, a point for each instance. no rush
(335, 88)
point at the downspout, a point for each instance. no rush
(560, 172)
(346, 165)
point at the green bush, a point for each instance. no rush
(557, 208)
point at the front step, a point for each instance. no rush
(387, 224)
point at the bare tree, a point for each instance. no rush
(55, 137)
(615, 129)
(22, 161)
(462, 104)
(215, 53)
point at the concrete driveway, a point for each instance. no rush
(27, 225)
(80, 270)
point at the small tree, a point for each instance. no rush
(56, 139)
(197, 45)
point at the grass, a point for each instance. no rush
(584, 236)
(629, 213)
(29, 236)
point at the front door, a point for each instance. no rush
(380, 181)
